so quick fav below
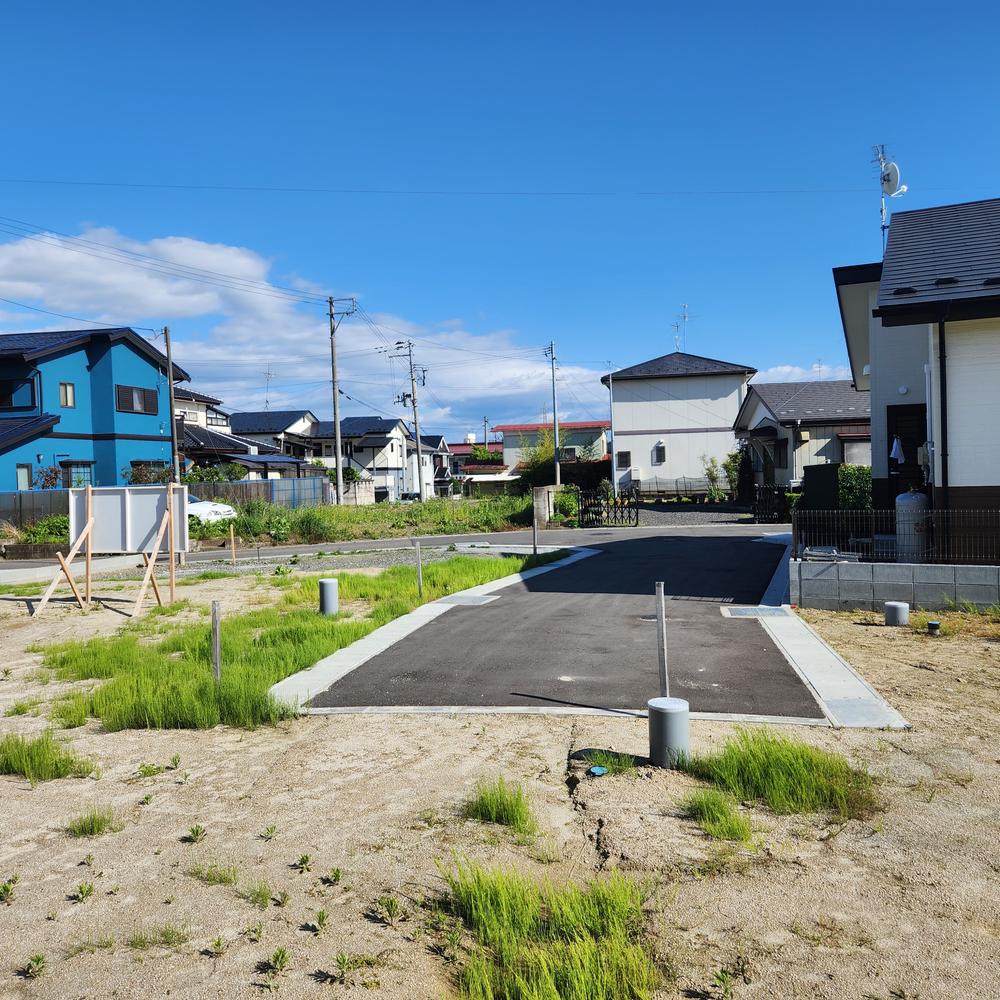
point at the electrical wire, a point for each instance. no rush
(76, 319)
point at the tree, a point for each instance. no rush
(482, 455)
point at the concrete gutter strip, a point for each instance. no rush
(778, 590)
(632, 713)
(846, 698)
(298, 689)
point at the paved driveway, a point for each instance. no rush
(576, 637)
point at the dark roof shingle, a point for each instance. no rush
(836, 401)
(943, 254)
(264, 421)
(196, 397)
(15, 429)
(677, 365)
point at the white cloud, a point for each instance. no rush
(228, 336)
(796, 373)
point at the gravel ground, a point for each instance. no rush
(664, 516)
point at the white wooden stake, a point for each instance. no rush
(420, 573)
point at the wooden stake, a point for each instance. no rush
(64, 563)
(89, 550)
(216, 641)
(170, 543)
(157, 542)
(232, 543)
(152, 580)
(69, 578)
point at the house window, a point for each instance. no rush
(858, 452)
(77, 474)
(659, 454)
(67, 395)
(624, 459)
(327, 449)
(24, 477)
(567, 454)
(16, 393)
(781, 454)
(132, 399)
(215, 419)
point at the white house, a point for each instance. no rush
(198, 409)
(669, 413)
(790, 425)
(923, 337)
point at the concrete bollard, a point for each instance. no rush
(897, 613)
(329, 596)
(668, 731)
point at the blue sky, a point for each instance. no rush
(495, 177)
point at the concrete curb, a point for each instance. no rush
(845, 697)
(297, 690)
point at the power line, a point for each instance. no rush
(76, 319)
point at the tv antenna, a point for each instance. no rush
(677, 336)
(889, 180)
(268, 375)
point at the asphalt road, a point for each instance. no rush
(577, 636)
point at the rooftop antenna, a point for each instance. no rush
(684, 325)
(268, 375)
(677, 337)
(888, 174)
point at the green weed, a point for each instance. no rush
(716, 814)
(149, 770)
(259, 894)
(535, 940)
(7, 889)
(195, 835)
(41, 759)
(616, 763)
(83, 892)
(166, 936)
(24, 707)
(70, 712)
(163, 680)
(213, 874)
(92, 823)
(498, 802)
(787, 775)
(34, 967)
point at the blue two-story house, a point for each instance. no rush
(81, 406)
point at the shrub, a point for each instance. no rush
(854, 487)
(787, 775)
(53, 528)
(567, 502)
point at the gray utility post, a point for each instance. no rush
(551, 352)
(175, 458)
(420, 572)
(668, 717)
(611, 406)
(338, 460)
(406, 347)
(661, 641)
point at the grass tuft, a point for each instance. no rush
(787, 775)
(535, 940)
(498, 802)
(213, 874)
(41, 759)
(157, 674)
(616, 763)
(92, 823)
(70, 712)
(716, 814)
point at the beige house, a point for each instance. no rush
(580, 440)
(668, 413)
(790, 425)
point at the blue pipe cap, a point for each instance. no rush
(596, 771)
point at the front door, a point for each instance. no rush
(24, 477)
(909, 425)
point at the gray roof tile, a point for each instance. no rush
(677, 365)
(836, 401)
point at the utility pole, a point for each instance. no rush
(175, 461)
(486, 440)
(551, 352)
(339, 464)
(406, 347)
(614, 444)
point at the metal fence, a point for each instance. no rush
(21, 507)
(961, 537)
(310, 491)
(684, 486)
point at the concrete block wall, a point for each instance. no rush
(850, 586)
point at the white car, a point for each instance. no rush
(209, 510)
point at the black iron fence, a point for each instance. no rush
(962, 537)
(770, 505)
(598, 509)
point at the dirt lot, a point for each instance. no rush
(902, 906)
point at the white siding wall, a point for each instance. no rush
(973, 403)
(690, 416)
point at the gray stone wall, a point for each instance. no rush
(849, 586)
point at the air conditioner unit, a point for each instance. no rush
(635, 472)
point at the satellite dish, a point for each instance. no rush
(890, 181)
